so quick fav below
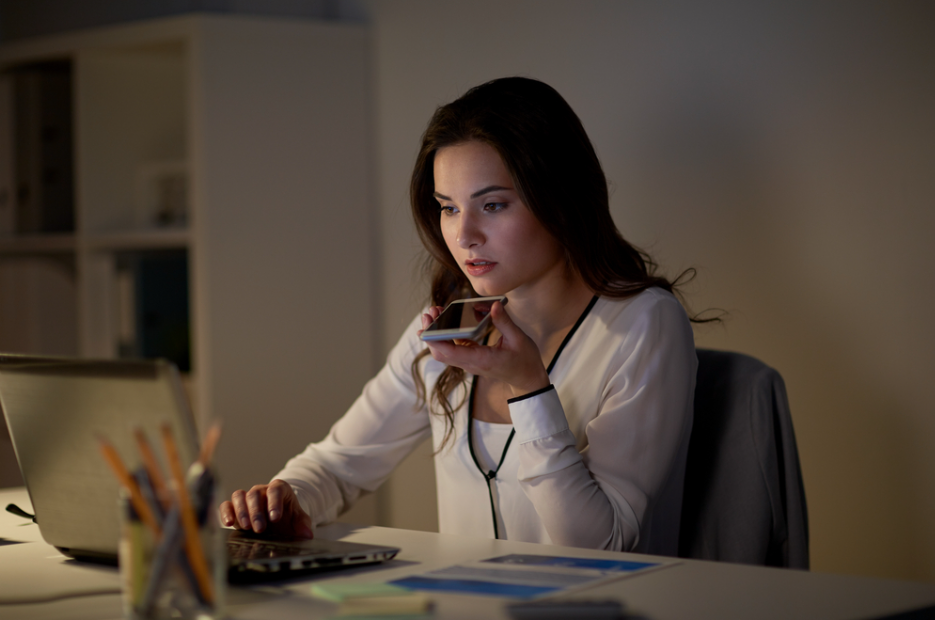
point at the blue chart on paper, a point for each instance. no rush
(521, 576)
(470, 586)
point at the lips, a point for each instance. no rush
(478, 267)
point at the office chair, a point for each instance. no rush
(744, 500)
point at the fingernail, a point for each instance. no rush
(274, 515)
(258, 525)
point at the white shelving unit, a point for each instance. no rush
(270, 120)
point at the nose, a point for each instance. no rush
(469, 231)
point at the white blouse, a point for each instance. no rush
(597, 460)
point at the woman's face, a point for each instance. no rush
(495, 239)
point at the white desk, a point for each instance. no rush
(689, 589)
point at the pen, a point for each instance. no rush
(166, 551)
(144, 484)
(152, 467)
(193, 549)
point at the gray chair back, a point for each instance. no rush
(744, 500)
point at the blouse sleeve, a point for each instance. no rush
(362, 448)
(600, 497)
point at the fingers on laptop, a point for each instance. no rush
(274, 498)
(234, 512)
(285, 514)
(256, 504)
(226, 513)
(238, 512)
(272, 506)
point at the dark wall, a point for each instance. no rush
(27, 18)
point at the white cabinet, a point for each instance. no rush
(242, 145)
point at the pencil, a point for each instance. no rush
(124, 478)
(143, 483)
(193, 549)
(152, 468)
(166, 551)
(209, 444)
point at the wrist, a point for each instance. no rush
(528, 395)
(536, 384)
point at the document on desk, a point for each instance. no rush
(525, 576)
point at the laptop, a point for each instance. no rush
(56, 408)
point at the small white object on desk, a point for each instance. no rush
(373, 599)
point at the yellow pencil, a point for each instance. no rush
(126, 480)
(193, 549)
(209, 444)
(152, 468)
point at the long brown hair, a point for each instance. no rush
(557, 174)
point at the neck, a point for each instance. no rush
(550, 308)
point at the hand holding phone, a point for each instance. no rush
(464, 319)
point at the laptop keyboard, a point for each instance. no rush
(253, 550)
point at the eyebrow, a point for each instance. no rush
(480, 192)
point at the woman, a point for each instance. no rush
(570, 425)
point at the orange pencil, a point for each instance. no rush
(152, 468)
(128, 483)
(209, 444)
(193, 549)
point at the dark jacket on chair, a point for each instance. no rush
(744, 500)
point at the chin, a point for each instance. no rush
(488, 290)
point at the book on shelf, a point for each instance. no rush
(36, 161)
(153, 318)
(7, 208)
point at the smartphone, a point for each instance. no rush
(464, 319)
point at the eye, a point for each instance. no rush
(494, 206)
(447, 210)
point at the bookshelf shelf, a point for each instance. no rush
(168, 239)
(27, 245)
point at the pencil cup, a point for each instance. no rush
(173, 562)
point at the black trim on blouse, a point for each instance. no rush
(490, 475)
(516, 399)
(577, 324)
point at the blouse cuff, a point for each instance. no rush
(538, 415)
(516, 399)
